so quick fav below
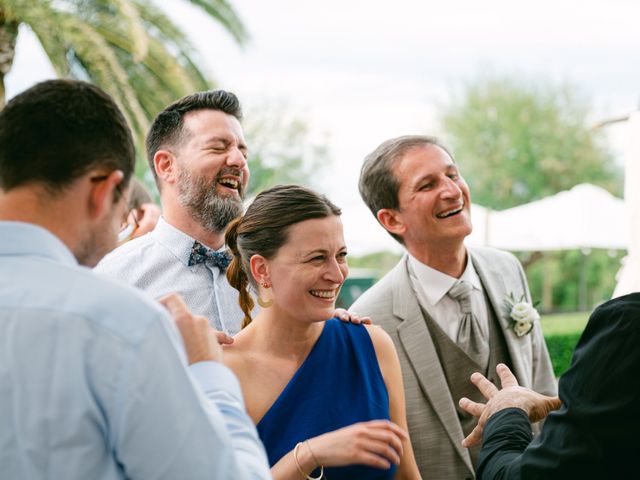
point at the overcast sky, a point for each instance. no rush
(360, 72)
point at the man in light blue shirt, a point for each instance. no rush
(95, 379)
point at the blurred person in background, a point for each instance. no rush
(142, 216)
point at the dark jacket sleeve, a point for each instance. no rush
(594, 434)
(505, 436)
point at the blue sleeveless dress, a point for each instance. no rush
(338, 384)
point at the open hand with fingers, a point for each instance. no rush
(535, 405)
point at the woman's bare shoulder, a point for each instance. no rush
(380, 339)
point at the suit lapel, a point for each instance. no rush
(493, 283)
(421, 352)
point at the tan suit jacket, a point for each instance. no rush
(435, 431)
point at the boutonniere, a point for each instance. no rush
(521, 314)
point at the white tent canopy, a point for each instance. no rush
(586, 216)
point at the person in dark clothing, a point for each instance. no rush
(593, 431)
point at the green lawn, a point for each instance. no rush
(561, 332)
(563, 323)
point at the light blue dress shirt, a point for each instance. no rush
(94, 382)
(158, 264)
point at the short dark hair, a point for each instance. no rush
(264, 228)
(378, 185)
(167, 127)
(56, 131)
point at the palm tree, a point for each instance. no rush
(130, 48)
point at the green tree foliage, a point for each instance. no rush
(580, 282)
(382, 262)
(518, 141)
(561, 333)
(130, 48)
(281, 149)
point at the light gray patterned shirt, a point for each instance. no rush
(158, 263)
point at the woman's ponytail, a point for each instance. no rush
(236, 274)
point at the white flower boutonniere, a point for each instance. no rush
(521, 314)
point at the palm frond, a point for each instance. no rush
(130, 48)
(39, 16)
(92, 52)
(130, 17)
(162, 28)
(226, 15)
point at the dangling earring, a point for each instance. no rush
(265, 303)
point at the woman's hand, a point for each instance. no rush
(377, 443)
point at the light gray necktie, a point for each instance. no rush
(470, 337)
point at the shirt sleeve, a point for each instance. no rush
(221, 387)
(178, 422)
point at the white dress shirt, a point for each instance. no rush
(158, 264)
(94, 382)
(431, 287)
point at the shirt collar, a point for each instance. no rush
(20, 238)
(436, 284)
(175, 240)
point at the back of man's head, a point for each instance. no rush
(167, 130)
(58, 130)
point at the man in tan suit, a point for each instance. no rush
(445, 305)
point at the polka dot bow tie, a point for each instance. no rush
(200, 254)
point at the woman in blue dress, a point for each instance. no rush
(326, 396)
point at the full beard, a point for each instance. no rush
(201, 199)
